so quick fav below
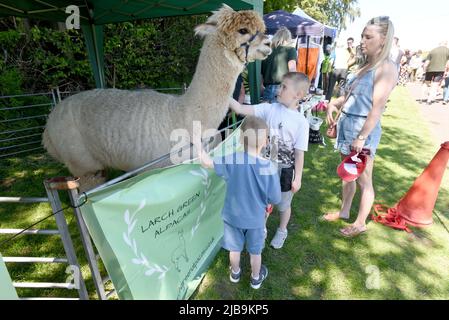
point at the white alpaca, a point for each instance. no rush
(121, 129)
(111, 128)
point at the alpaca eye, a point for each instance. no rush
(243, 31)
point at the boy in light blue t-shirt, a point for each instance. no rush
(252, 183)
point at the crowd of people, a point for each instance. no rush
(275, 137)
(431, 69)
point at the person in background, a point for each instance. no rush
(420, 73)
(404, 69)
(326, 68)
(278, 63)
(396, 52)
(415, 64)
(340, 69)
(434, 67)
(446, 85)
(350, 47)
(356, 59)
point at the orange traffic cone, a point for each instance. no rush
(416, 207)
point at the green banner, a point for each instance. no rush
(158, 232)
(7, 291)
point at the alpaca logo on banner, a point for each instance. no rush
(72, 21)
(180, 251)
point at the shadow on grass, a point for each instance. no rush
(23, 177)
(317, 263)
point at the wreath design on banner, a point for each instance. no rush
(206, 181)
(139, 257)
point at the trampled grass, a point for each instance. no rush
(316, 262)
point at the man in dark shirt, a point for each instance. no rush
(434, 68)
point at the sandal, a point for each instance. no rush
(333, 216)
(352, 231)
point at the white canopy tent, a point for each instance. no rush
(328, 30)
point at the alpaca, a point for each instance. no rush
(180, 251)
(121, 129)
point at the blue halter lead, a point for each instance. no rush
(247, 44)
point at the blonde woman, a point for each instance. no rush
(359, 124)
(278, 63)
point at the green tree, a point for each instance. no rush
(155, 53)
(331, 12)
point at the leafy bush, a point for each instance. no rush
(157, 53)
(151, 53)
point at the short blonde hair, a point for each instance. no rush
(301, 80)
(281, 37)
(254, 132)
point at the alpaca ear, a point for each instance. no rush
(224, 10)
(212, 22)
(204, 29)
(218, 15)
(225, 7)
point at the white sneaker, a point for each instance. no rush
(279, 239)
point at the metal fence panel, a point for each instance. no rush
(22, 120)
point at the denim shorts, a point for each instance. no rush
(234, 239)
(348, 128)
(270, 93)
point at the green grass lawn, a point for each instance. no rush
(316, 262)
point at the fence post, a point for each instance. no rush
(88, 247)
(71, 185)
(55, 203)
(53, 98)
(58, 94)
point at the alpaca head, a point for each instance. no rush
(241, 32)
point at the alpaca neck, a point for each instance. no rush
(207, 98)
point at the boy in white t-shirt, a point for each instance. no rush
(289, 139)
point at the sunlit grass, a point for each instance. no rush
(316, 262)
